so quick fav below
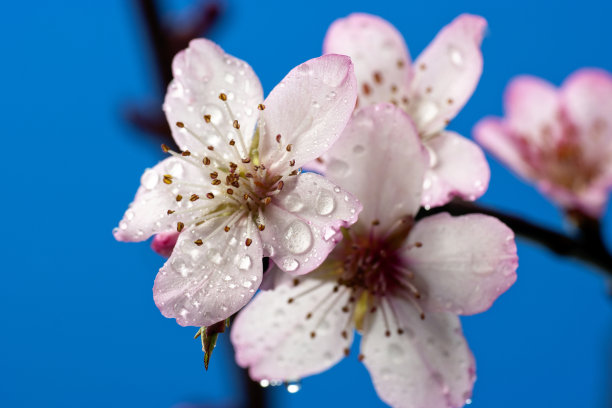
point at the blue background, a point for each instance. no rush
(78, 323)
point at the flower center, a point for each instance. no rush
(239, 185)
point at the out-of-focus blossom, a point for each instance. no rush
(432, 90)
(164, 242)
(235, 192)
(561, 139)
(401, 282)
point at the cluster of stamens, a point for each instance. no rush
(374, 275)
(242, 187)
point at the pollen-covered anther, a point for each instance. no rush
(387, 333)
(313, 335)
(226, 228)
(428, 90)
(261, 227)
(400, 331)
(450, 101)
(347, 352)
(266, 200)
(288, 147)
(214, 175)
(165, 148)
(278, 138)
(207, 118)
(418, 244)
(290, 300)
(261, 106)
(232, 142)
(377, 77)
(376, 222)
(223, 97)
(216, 182)
(246, 160)
(230, 191)
(400, 63)
(170, 212)
(280, 185)
(180, 124)
(180, 226)
(344, 334)
(211, 148)
(423, 66)
(186, 153)
(206, 161)
(360, 357)
(291, 163)
(210, 196)
(296, 282)
(194, 197)
(167, 179)
(236, 124)
(248, 242)
(198, 242)
(179, 197)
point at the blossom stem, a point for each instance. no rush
(586, 245)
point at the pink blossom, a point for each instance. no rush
(400, 282)
(431, 90)
(561, 139)
(164, 242)
(235, 192)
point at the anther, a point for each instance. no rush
(344, 334)
(186, 153)
(261, 106)
(210, 148)
(230, 191)
(360, 357)
(418, 244)
(377, 77)
(266, 200)
(387, 333)
(165, 148)
(236, 124)
(248, 242)
(261, 227)
(400, 331)
(248, 175)
(291, 163)
(422, 316)
(207, 118)
(206, 161)
(180, 124)
(179, 197)
(280, 185)
(308, 315)
(247, 160)
(423, 67)
(223, 97)
(428, 89)
(290, 300)
(216, 182)
(394, 88)
(400, 63)
(288, 147)
(180, 226)
(376, 222)
(366, 88)
(245, 196)
(167, 179)
(347, 352)
(194, 197)
(450, 101)
(278, 138)
(296, 282)
(198, 242)
(313, 335)
(226, 228)
(210, 195)
(232, 142)
(214, 175)
(170, 212)
(345, 309)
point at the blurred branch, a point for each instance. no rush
(587, 245)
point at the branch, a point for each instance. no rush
(587, 246)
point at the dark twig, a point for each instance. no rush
(587, 245)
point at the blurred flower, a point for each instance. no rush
(399, 281)
(559, 138)
(432, 90)
(235, 192)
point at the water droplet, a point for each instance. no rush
(176, 169)
(149, 179)
(336, 189)
(229, 78)
(426, 112)
(298, 237)
(123, 225)
(290, 264)
(264, 383)
(245, 263)
(358, 149)
(427, 183)
(129, 214)
(247, 284)
(456, 56)
(325, 203)
(215, 256)
(331, 95)
(293, 386)
(293, 202)
(338, 167)
(180, 266)
(329, 233)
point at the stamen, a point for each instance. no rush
(180, 226)
(198, 242)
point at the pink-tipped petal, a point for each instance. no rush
(275, 340)
(464, 263)
(164, 242)
(382, 62)
(201, 73)
(302, 224)
(204, 284)
(586, 97)
(446, 73)
(148, 213)
(428, 366)
(380, 159)
(308, 109)
(532, 110)
(494, 136)
(458, 168)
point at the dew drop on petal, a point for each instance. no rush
(176, 169)
(129, 214)
(336, 189)
(229, 78)
(293, 386)
(297, 237)
(123, 225)
(325, 203)
(245, 263)
(264, 383)
(290, 264)
(427, 111)
(180, 266)
(455, 56)
(215, 256)
(293, 202)
(339, 168)
(149, 179)
(329, 233)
